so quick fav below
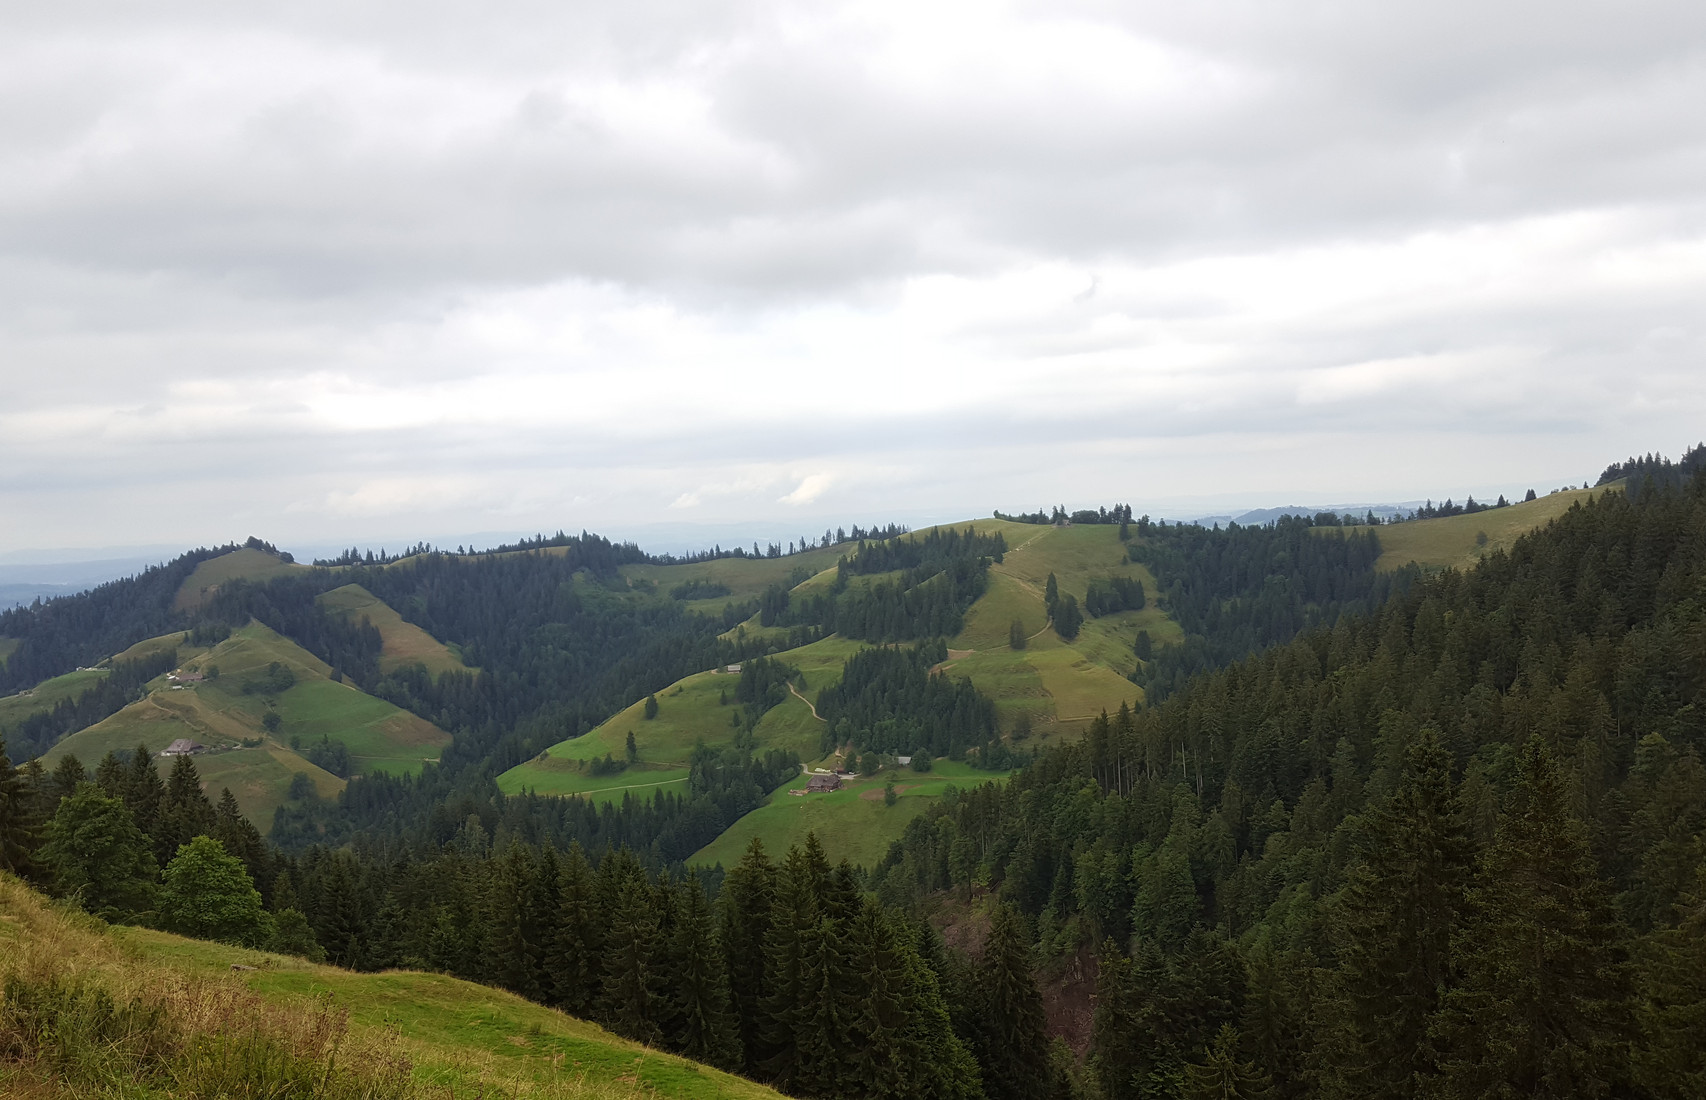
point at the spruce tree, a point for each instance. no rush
(572, 959)
(1016, 1062)
(1543, 999)
(744, 911)
(17, 831)
(788, 958)
(632, 964)
(705, 1030)
(66, 775)
(142, 790)
(1671, 1059)
(510, 943)
(1222, 1075)
(1404, 901)
(241, 838)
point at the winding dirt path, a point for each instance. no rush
(806, 701)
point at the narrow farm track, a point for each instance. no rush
(806, 701)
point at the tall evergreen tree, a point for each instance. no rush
(1016, 1060)
(1222, 1075)
(1543, 1001)
(633, 980)
(745, 908)
(512, 942)
(1404, 901)
(572, 960)
(17, 831)
(1671, 1058)
(704, 1028)
(142, 790)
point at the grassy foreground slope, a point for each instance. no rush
(1455, 541)
(255, 764)
(396, 1034)
(403, 642)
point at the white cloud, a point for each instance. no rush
(591, 264)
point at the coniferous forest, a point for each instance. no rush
(1372, 834)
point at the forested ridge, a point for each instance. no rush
(1411, 836)
(1448, 848)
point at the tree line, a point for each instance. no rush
(1449, 847)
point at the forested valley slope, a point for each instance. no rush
(1313, 808)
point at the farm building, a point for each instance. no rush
(824, 783)
(183, 746)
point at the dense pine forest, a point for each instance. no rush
(1373, 834)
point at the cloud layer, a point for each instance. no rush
(419, 268)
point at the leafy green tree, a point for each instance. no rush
(99, 857)
(1404, 901)
(1144, 647)
(1016, 636)
(1543, 1005)
(208, 894)
(1051, 594)
(633, 749)
(651, 707)
(890, 795)
(292, 935)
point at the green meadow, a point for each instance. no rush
(1455, 542)
(403, 643)
(45, 695)
(244, 563)
(852, 823)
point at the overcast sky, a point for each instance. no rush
(339, 270)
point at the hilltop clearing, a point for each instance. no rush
(185, 1023)
(245, 563)
(1458, 542)
(224, 703)
(404, 643)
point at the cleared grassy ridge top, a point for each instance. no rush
(218, 714)
(244, 563)
(404, 643)
(453, 1034)
(45, 695)
(1454, 541)
(852, 823)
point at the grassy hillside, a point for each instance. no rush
(254, 565)
(745, 578)
(404, 643)
(1061, 686)
(17, 707)
(256, 765)
(408, 1034)
(1455, 541)
(852, 823)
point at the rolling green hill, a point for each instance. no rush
(404, 642)
(245, 563)
(16, 707)
(257, 765)
(852, 823)
(1062, 687)
(408, 1034)
(1455, 541)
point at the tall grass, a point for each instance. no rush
(81, 1017)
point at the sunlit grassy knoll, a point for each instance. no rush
(745, 578)
(698, 708)
(255, 764)
(404, 643)
(148, 647)
(1454, 541)
(45, 695)
(405, 1034)
(253, 565)
(852, 823)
